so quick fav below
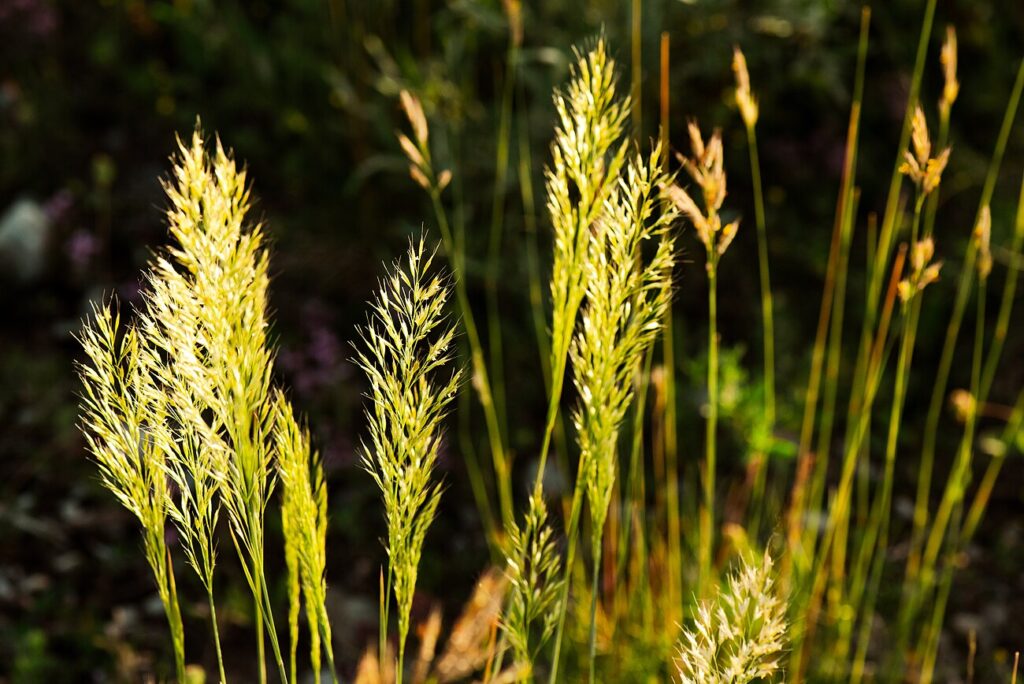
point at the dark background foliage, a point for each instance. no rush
(93, 93)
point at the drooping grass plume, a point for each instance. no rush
(706, 168)
(119, 415)
(624, 306)
(304, 518)
(404, 346)
(738, 637)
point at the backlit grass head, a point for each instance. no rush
(626, 299)
(707, 169)
(740, 636)
(404, 347)
(587, 156)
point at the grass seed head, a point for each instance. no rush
(745, 99)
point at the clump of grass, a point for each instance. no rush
(740, 636)
(404, 345)
(192, 379)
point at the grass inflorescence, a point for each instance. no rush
(188, 428)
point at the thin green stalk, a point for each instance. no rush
(952, 333)
(597, 546)
(271, 628)
(216, 638)
(675, 563)
(707, 512)
(497, 230)
(635, 498)
(767, 317)
(261, 649)
(173, 611)
(385, 610)
(572, 530)
(636, 67)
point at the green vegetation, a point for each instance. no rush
(684, 509)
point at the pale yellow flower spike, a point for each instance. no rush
(982, 239)
(745, 99)
(948, 57)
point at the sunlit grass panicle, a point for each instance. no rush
(534, 571)
(404, 346)
(304, 514)
(625, 303)
(739, 637)
(587, 156)
(120, 413)
(221, 353)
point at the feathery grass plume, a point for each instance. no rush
(740, 636)
(707, 169)
(119, 415)
(404, 345)
(213, 286)
(304, 515)
(587, 157)
(534, 573)
(624, 307)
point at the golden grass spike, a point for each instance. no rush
(745, 99)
